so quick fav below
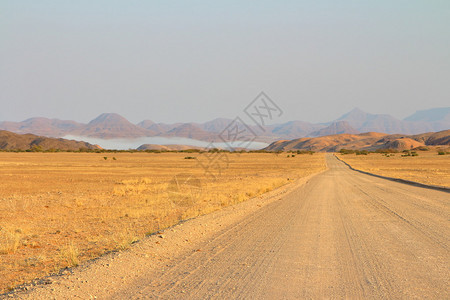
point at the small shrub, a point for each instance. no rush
(422, 148)
(406, 153)
(125, 239)
(190, 151)
(105, 157)
(190, 157)
(441, 153)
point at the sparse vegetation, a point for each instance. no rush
(363, 152)
(351, 151)
(305, 152)
(79, 208)
(422, 148)
(35, 148)
(409, 153)
(346, 151)
(386, 152)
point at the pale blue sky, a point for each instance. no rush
(172, 61)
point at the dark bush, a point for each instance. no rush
(305, 152)
(347, 151)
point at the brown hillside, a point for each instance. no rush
(402, 144)
(14, 141)
(365, 141)
(434, 138)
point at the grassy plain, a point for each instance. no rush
(428, 167)
(59, 209)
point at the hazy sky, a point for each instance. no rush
(183, 61)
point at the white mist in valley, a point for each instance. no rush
(126, 144)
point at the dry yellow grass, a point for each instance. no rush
(60, 209)
(427, 168)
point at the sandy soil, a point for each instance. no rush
(342, 234)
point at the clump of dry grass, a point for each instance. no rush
(125, 238)
(69, 253)
(9, 241)
(133, 186)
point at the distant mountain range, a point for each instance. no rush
(330, 143)
(111, 125)
(364, 141)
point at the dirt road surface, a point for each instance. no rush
(341, 234)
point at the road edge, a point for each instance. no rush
(409, 182)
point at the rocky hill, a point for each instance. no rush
(14, 141)
(365, 141)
